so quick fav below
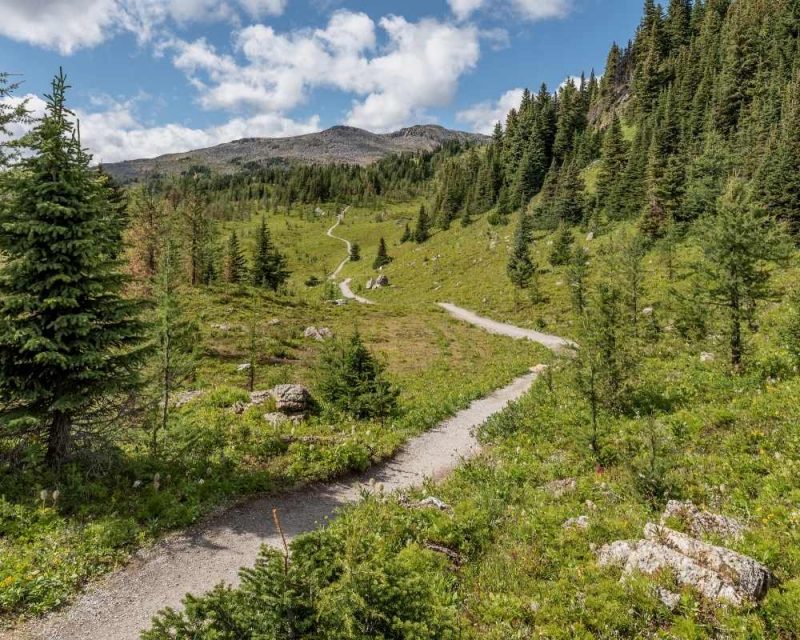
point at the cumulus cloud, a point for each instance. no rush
(418, 67)
(115, 133)
(69, 25)
(532, 10)
(483, 117)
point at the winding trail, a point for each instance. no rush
(120, 605)
(344, 286)
(554, 343)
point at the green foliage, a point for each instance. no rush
(355, 252)
(235, 262)
(422, 231)
(10, 113)
(521, 267)
(382, 257)
(269, 265)
(354, 382)
(562, 250)
(70, 343)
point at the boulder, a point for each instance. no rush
(276, 419)
(590, 236)
(382, 281)
(291, 398)
(648, 311)
(259, 397)
(321, 334)
(701, 523)
(715, 572)
(243, 367)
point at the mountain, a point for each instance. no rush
(347, 145)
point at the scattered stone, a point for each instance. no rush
(701, 522)
(590, 236)
(559, 488)
(273, 322)
(185, 397)
(433, 503)
(370, 284)
(276, 419)
(590, 506)
(581, 522)
(224, 327)
(291, 398)
(320, 335)
(243, 367)
(648, 311)
(706, 357)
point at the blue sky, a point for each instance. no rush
(154, 76)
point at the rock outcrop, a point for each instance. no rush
(717, 573)
(319, 334)
(291, 398)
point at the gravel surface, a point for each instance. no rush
(492, 326)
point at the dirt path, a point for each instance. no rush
(553, 343)
(344, 286)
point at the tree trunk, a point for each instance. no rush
(736, 333)
(58, 440)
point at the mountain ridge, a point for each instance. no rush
(339, 144)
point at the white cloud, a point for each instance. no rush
(69, 25)
(418, 67)
(483, 117)
(532, 10)
(115, 133)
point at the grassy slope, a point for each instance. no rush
(210, 454)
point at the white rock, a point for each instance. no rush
(581, 522)
(433, 503)
(707, 357)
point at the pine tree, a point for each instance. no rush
(269, 265)
(407, 235)
(197, 225)
(561, 253)
(355, 252)
(569, 203)
(520, 265)
(578, 272)
(740, 244)
(70, 343)
(382, 258)
(148, 217)
(235, 263)
(614, 159)
(353, 381)
(423, 229)
(175, 340)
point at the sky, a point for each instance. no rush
(158, 76)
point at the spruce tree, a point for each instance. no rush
(354, 381)
(578, 272)
(569, 203)
(740, 246)
(561, 252)
(269, 265)
(235, 263)
(520, 266)
(423, 229)
(407, 235)
(70, 343)
(614, 159)
(382, 258)
(355, 252)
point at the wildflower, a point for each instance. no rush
(137, 484)
(56, 496)
(44, 494)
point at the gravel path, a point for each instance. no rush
(518, 333)
(344, 286)
(122, 604)
(347, 292)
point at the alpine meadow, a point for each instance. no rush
(538, 379)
